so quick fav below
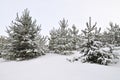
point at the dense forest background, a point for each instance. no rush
(24, 40)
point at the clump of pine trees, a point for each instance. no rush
(112, 36)
(63, 39)
(24, 41)
(91, 50)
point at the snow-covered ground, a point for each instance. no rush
(56, 67)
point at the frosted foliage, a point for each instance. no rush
(41, 44)
(58, 37)
(91, 48)
(22, 34)
(95, 54)
(112, 36)
(64, 38)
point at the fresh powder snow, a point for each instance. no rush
(56, 67)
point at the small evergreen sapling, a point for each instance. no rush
(88, 36)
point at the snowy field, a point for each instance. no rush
(56, 67)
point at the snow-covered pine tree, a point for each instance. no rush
(53, 39)
(22, 34)
(62, 32)
(114, 34)
(73, 37)
(59, 39)
(88, 34)
(92, 51)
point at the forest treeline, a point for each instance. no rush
(24, 41)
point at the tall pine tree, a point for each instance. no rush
(58, 40)
(22, 35)
(62, 35)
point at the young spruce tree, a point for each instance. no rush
(92, 51)
(73, 37)
(62, 35)
(22, 35)
(114, 34)
(58, 40)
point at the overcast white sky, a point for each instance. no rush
(49, 12)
